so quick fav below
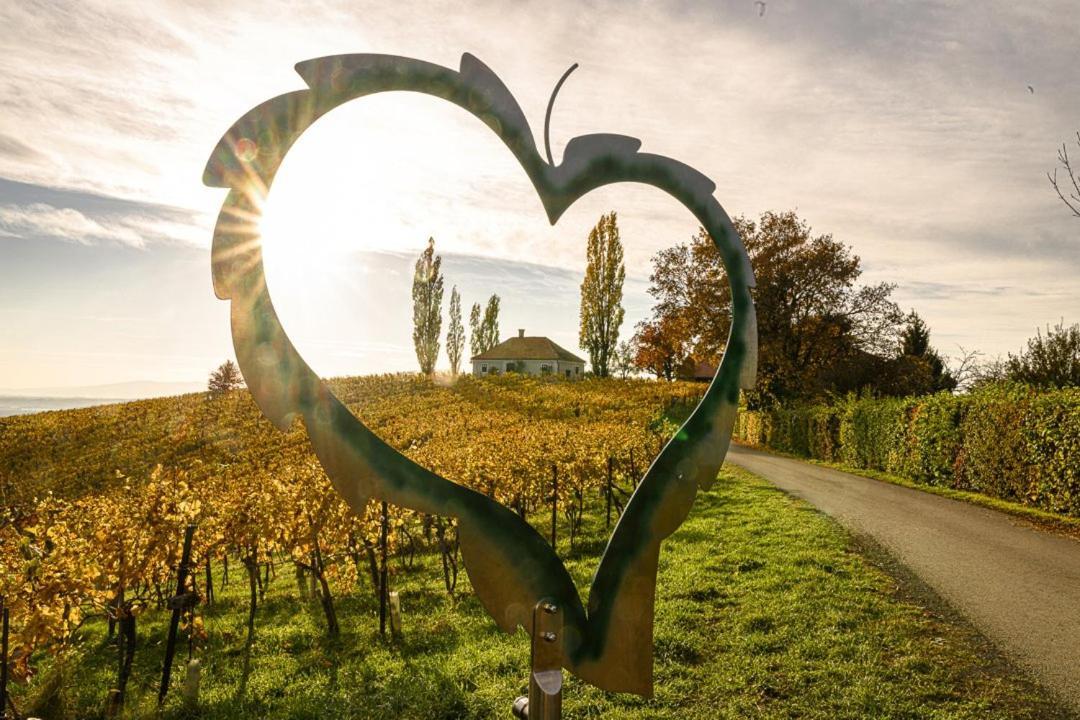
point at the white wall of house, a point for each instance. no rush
(530, 367)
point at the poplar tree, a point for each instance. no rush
(476, 330)
(489, 329)
(427, 293)
(455, 335)
(601, 294)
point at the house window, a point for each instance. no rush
(483, 368)
(510, 367)
(577, 371)
(568, 372)
(545, 369)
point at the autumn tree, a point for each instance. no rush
(489, 326)
(661, 347)
(455, 335)
(427, 294)
(1050, 360)
(601, 294)
(818, 330)
(476, 332)
(920, 362)
(225, 378)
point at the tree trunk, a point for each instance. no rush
(253, 583)
(383, 542)
(449, 558)
(209, 583)
(126, 655)
(301, 581)
(182, 571)
(373, 567)
(259, 581)
(332, 628)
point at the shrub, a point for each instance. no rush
(872, 432)
(824, 432)
(1005, 440)
(994, 457)
(1052, 432)
(934, 439)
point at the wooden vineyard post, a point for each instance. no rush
(383, 532)
(395, 614)
(178, 603)
(554, 504)
(191, 684)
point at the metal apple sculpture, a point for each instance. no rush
(513, 570)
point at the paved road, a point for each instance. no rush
(1018, 585)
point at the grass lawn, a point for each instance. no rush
(765, 609)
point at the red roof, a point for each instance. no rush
(704, 371)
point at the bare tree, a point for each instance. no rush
(965, 368)
(1069, 192)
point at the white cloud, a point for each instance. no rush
(905, 129)
(45, 221)
(41, 219)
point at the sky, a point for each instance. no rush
(907, 130)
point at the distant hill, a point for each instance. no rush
(134, 390)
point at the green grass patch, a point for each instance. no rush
(765, 609)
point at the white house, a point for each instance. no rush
(530, 356)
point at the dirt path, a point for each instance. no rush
(1018, 585)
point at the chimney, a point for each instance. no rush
(521, 332)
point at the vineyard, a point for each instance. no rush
(98, 502)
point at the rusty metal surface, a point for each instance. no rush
(511, 566)
(545, 676)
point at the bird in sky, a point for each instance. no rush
(761, 7)
(1031, 90)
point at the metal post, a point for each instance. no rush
(179, 603)
(545, 676)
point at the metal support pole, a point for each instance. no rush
(180, 602)
(545, 677)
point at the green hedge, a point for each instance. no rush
(1007, 441)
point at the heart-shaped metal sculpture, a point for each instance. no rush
(511, 566)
